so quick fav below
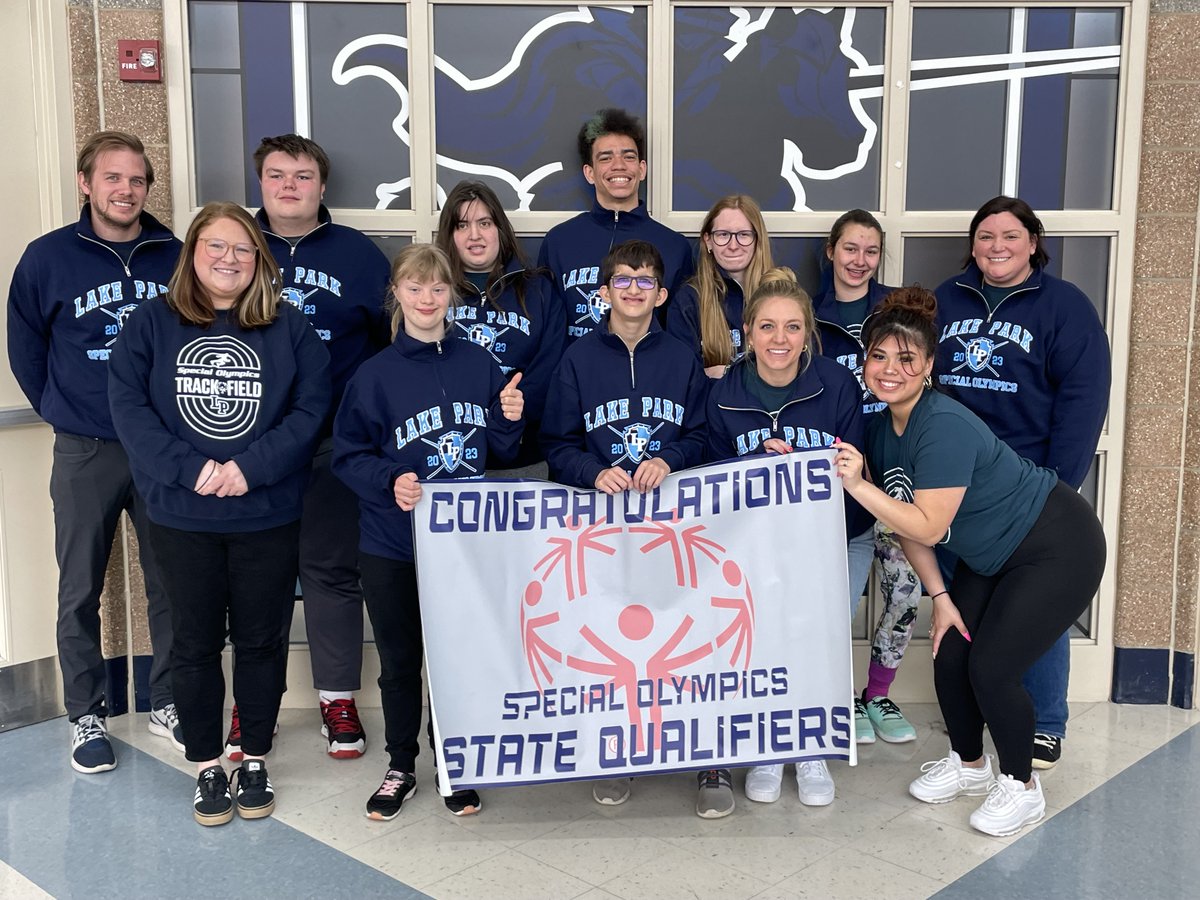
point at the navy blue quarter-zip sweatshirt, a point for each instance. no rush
(529, 340)
(683, 317)
(612, 406)
(573, 251)
(432, 408)
(1036, 369)
(823, 404)
(840, 345)
(71, 295)
(338, 278)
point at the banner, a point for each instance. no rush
(570, 634)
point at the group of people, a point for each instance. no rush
(267, 398)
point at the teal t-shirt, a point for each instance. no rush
(772, 398)
(478, 279)
(852, 314)
(993, 295)
(947, 445)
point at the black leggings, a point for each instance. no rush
(1013, 617)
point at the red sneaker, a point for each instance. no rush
(233, 740)
(341, 727)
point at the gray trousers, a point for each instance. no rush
(333, 600)
(90, 485)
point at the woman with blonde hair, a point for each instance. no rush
(427, 375)
(735, 253)
(784, 396)
(218, 393)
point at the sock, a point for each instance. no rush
(879, 679)
(330, 696)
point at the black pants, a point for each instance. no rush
(390, 589)
(333, 600)
(1013, 617)
(245, 579)
(90, 485)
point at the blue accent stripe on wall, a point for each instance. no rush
(141, 683)
(1183, 677)
(1141, 675)
(268, 101)
(116, 688)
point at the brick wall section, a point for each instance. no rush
(102, 100)
(1157, 588)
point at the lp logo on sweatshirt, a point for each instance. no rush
(218, 386)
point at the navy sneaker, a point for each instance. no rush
(90, 750)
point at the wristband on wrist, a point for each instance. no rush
(938, 594)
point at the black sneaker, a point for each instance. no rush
(255, 796)
(1046, 750)
(385, 803)
(462, 803)
(213, 805)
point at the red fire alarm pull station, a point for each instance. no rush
(139, 60)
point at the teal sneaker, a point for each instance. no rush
(864, 731)
(889, 723)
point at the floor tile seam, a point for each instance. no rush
(925, 812)
(908, 868)
(776, 881)
(588, 886)
(699, 857)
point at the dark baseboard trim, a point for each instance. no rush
(1183, 677)
(1141, 675)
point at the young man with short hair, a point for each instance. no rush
(338, 278)
(624, 410)
(71, 293)
(612, 149)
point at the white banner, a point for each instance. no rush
(573, 635)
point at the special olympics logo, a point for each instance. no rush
(709, 614)
(217, 386)
(596, 307)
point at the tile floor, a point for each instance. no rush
(553, 841)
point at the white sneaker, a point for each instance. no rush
(815, 783)
(165, 723)
(1009, 807)
(611, 791)
(764, 784)
(947, 778)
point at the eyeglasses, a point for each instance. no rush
(721, 238)
(645, 282)
(217, 249)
